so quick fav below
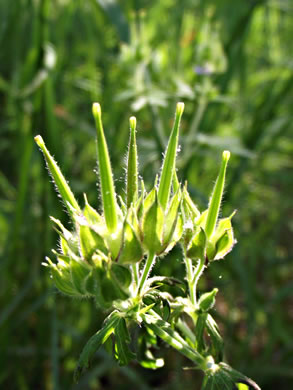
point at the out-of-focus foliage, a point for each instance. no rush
(232, 65)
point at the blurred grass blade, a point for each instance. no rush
(106, 178)
(132, 179)
(115, 14)
(168, 167)
(216, 198)
(61, 183)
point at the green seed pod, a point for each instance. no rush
(110, 206)
(61, 183)
(132, 175)
(216, 198)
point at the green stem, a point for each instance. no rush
(135, 271)
(148, 265)
(197, 275)
(189, 274)
(173, 338)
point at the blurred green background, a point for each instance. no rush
(231, 62)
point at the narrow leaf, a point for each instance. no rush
(199, 331)
(123, 353)
(95, 342)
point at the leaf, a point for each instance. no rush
(222, 376)
(216, 339)
(122, 338)
(95, 342)
(199, 331)
(145, 357)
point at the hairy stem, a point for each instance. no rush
(148, 265)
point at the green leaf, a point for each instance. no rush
(131, 251)
(216, 339)
(222, 376)
(61, 184)
(95, 342)
(168, 167)
(199, 331)
(145, 357)
(122, 338)
(132, 175)
(106, 179)
(153, 227)
(216, 198)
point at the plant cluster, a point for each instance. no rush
(109, 256)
